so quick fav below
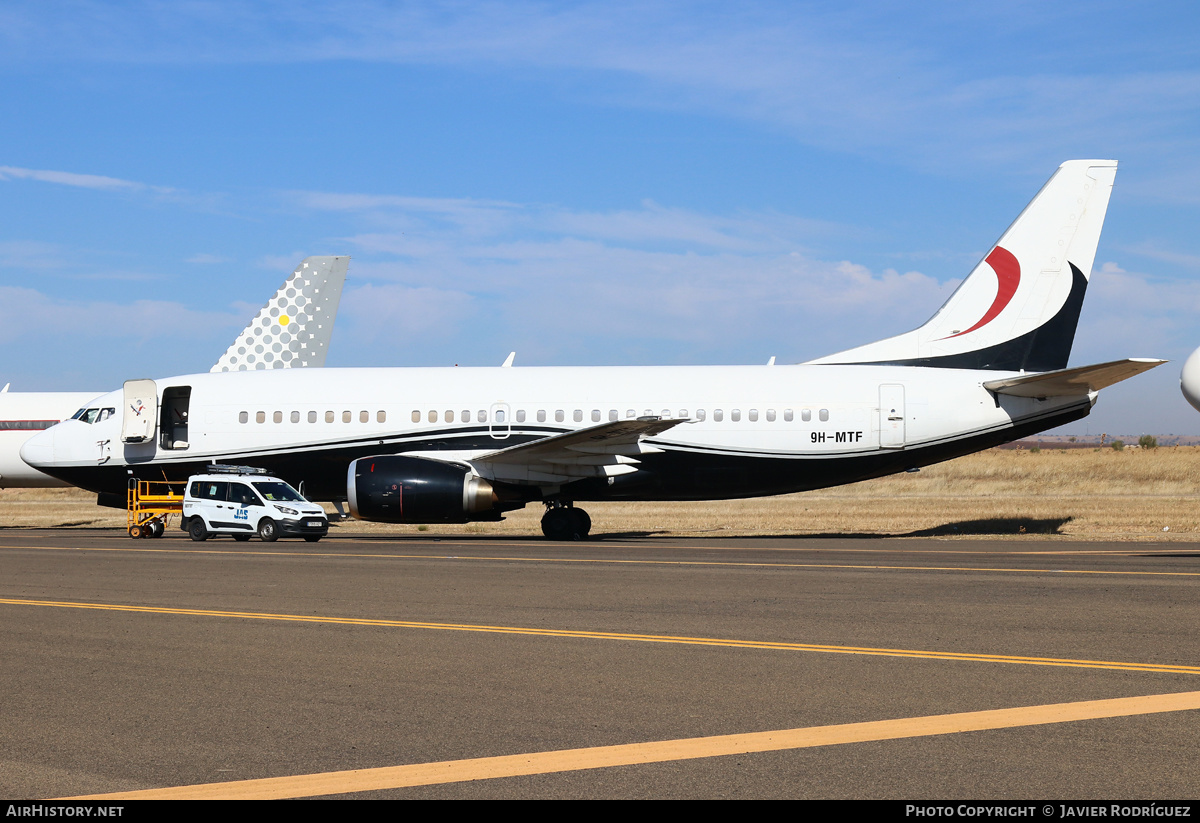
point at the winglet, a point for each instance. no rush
(293, 329)
(508, 361)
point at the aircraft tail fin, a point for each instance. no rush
(1018, 308)
(293, 329)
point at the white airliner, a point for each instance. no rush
(24, 414)
(430, 445)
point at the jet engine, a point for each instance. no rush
(395, 488)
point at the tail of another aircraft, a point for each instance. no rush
(1018, 308)
(294, 328)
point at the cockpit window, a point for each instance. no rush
(93, 415)
(278, 492)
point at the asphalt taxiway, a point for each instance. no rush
(626, 666)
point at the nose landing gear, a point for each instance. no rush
(565, 522)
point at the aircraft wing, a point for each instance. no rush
(605, 450)
(1072, 382)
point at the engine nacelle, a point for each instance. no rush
(393, 488)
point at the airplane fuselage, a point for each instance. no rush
(746, 430)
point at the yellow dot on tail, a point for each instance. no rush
(284, 320)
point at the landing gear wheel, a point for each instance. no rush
(157, 527)
(197, 531)
(582, 522)
(241, 538)
(565, 523)
(268, 532)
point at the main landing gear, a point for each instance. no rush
(565, 522)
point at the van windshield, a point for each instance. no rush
(278, 492)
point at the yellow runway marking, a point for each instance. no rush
(600, 757)
(641, 638)
(620, 561)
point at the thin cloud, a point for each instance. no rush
(80, 181)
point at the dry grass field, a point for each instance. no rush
(1080, 493)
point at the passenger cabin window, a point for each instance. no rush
(824, 415)
(700, 414)
(806, 415)
(520, 415)
(577, 416)
(260, 417)
(613, 416)
(752, 415)
(432, 416)
(312, 417)
(481, 416)
(381, 416)
(559, 416)
(346, 416)
(295, 417)
(277, 417)
(788, 416)
(541, 416)
(735, 415)
(718, 415)
(329, 417)
(364, 416)
(243, 417)
(449, 416)
(595, 415)
(770, 415)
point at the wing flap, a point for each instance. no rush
(606, 450)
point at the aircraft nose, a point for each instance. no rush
(38, 451)
(1189, 380)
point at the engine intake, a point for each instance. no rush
(394, 488)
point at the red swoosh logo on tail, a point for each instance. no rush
(1008, 272)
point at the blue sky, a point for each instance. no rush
(585, 183)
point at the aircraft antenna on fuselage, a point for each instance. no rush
(294, 328)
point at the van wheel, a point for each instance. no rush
(197, 531)
(312, 538)
(268, 532)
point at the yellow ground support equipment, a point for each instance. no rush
(151, 504)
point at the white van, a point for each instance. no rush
(242, 502)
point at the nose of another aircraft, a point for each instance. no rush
(1189, 381)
